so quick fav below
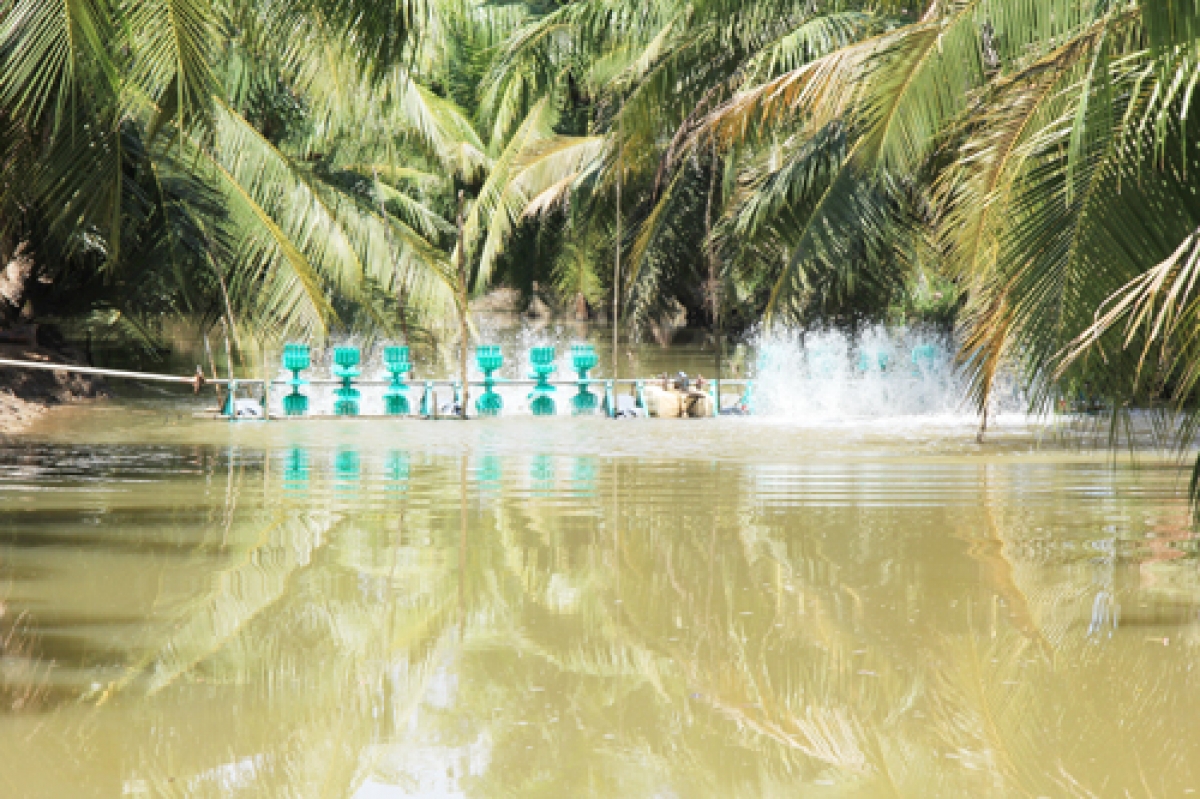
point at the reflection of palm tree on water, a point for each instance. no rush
(24, 675)
(269, 614)
(621, 647)
(757, 662)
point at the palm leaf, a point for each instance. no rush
(174, 43)
(54, 58)
(533, 161)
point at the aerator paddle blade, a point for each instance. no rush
(296, 357)
(346, 403)
(543, 406)
(346, 356)
(584, 403)
(542, 359)
(489, 358)
(396, 359)
(295, 404)
(396, 405)
(583, 357)
(489, 404)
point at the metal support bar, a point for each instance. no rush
(498, 381)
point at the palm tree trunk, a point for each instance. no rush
(16, 274)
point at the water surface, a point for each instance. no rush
(577, 607)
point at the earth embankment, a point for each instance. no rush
(27, 394)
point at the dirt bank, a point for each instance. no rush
(27, 394)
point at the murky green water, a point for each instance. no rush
(577, 607)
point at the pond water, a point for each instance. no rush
(580, 607)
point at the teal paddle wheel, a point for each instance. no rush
(395, 397)
(489, 358)
(345, 368)
(296, 358)
(541, 399)
(583, 360)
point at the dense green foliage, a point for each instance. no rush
(1020, 168)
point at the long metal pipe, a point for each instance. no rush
(498, 381)
(93, 370)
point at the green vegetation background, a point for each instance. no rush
(1018, 172)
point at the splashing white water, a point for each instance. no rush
(816, 376)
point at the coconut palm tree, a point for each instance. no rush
(645, 75)
(300, 164)
(132, 115)
(1036, 154)
(825, 157)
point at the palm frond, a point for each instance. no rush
(444, 129)
(174, 43)
(815, 38)
(534, 161)
(1117, 211)
(1160, 306)
(1172, 23)
(54, 58)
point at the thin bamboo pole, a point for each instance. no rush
(616, 314)
(464, 345)
(714, 286)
